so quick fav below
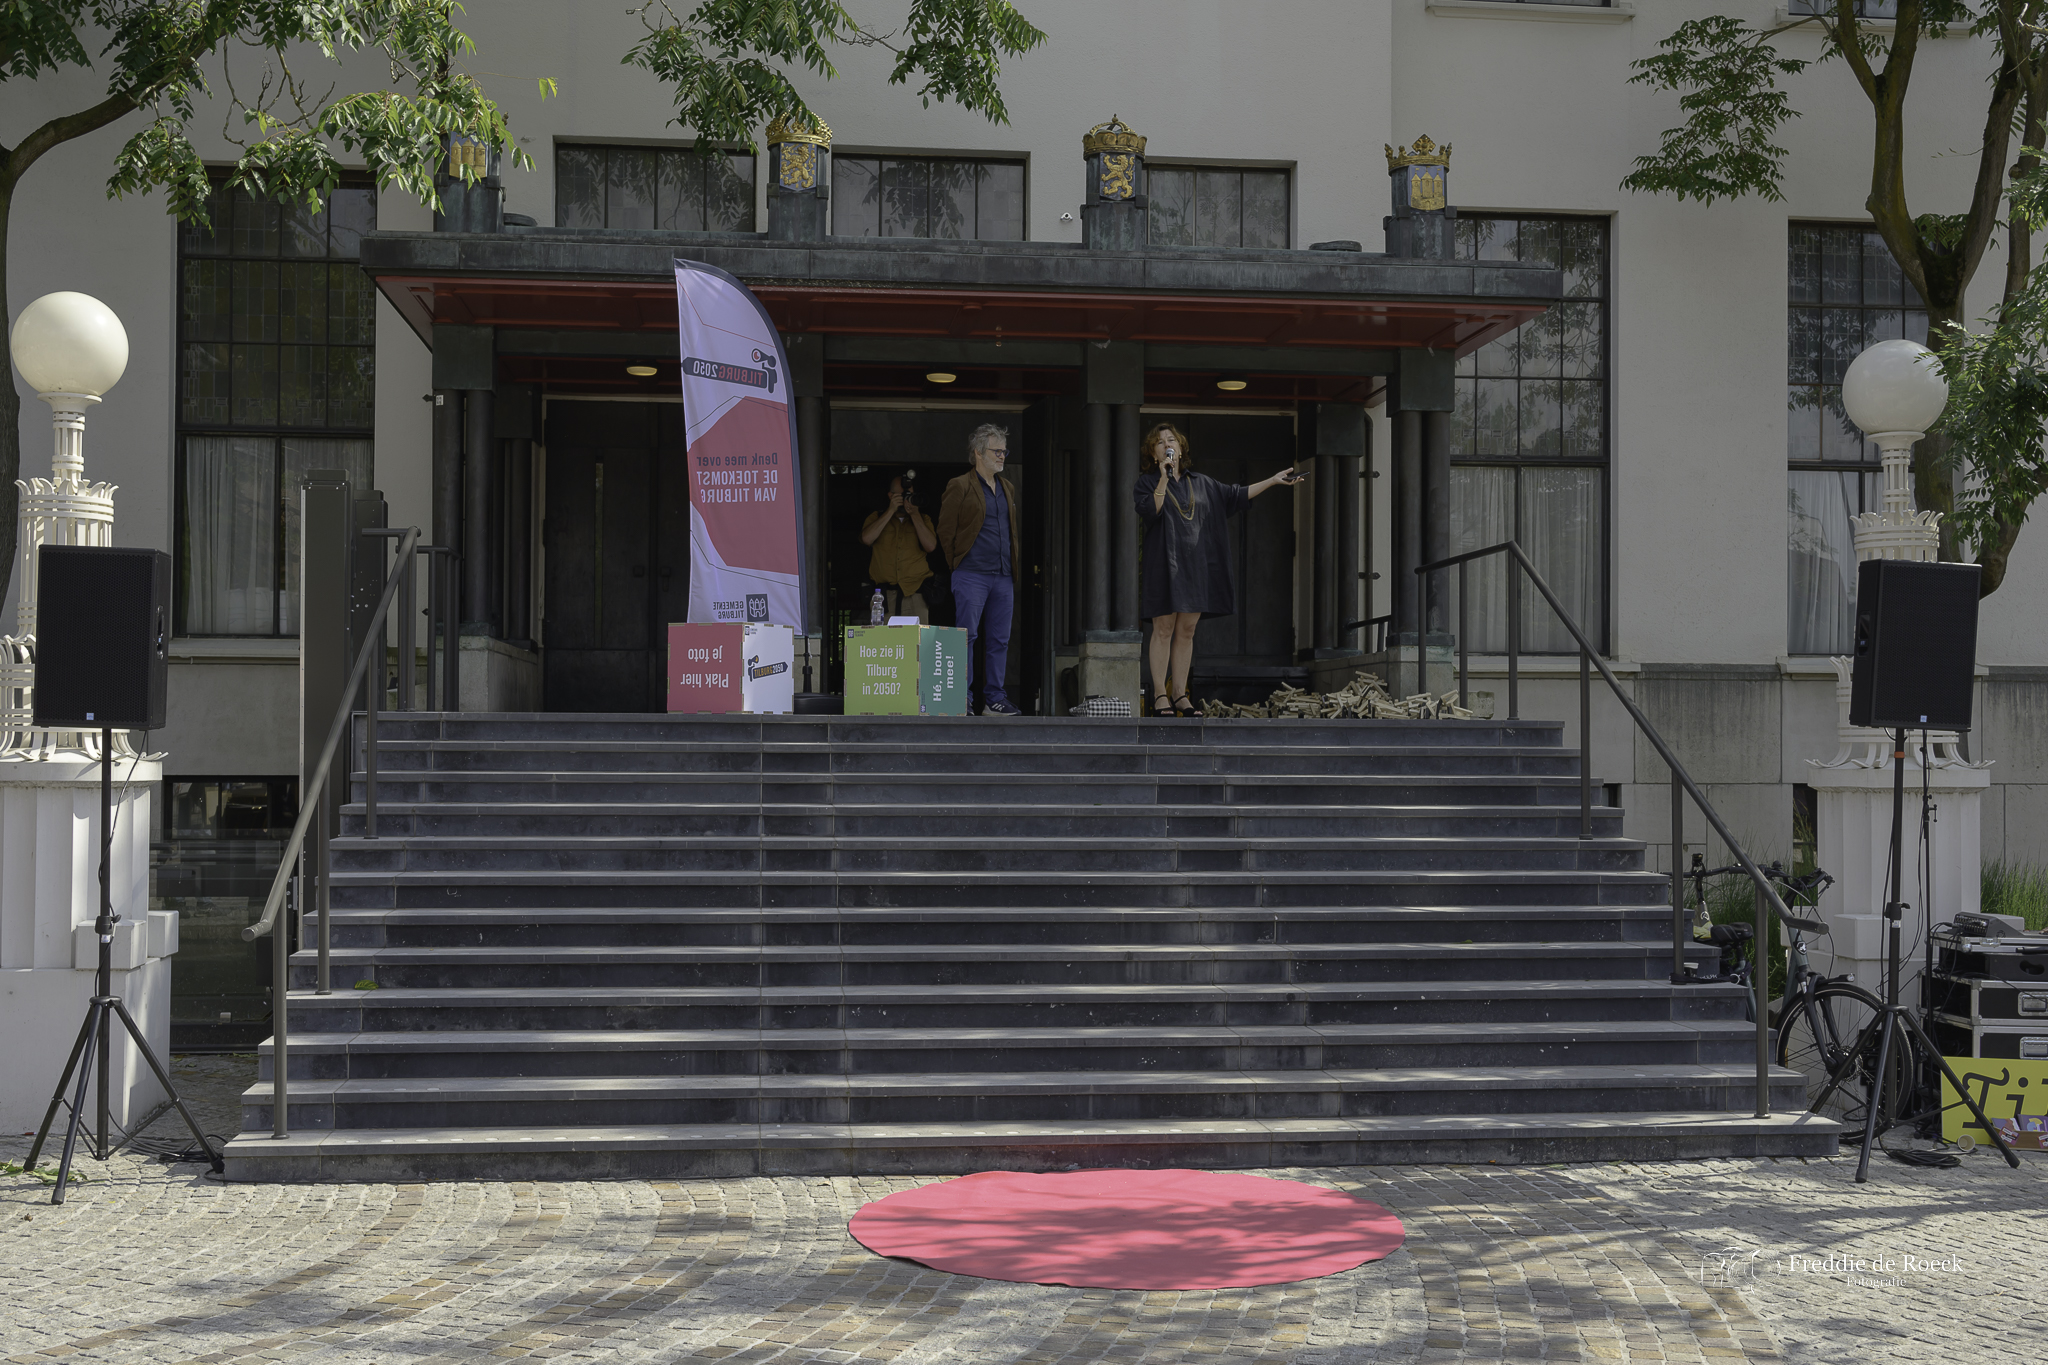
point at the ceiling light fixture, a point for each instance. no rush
(941, 377)
(642, 371)
(1230, 385)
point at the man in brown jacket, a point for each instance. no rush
(979, 536)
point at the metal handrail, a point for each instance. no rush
(1681, 780)
(310, 805)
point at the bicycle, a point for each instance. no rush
(1819, 1020)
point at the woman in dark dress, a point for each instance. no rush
(1187, 556)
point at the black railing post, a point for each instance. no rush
(1464, 635)
(1421, 630)
(1585, 743)
(1678, 934)
(1514, 638)
(370, 755)
(1760, 969)
(280, 987)
(452, 623)
(322, 866)
(409, 607)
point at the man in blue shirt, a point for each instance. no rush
(978, 532)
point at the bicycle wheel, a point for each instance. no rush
(1823, 1032)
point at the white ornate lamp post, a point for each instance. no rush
(71, 349)
(1894, 391)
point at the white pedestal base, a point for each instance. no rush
(1854, 837)
(49, 897)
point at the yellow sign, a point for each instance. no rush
(2014, 1096)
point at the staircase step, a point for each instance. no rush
(912, 1098)
(659, 926)
(1059, 1051)
(951, 1007)
(719, 1150)
(899, 965)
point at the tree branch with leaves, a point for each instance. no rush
(1730, 78)
(729, 63)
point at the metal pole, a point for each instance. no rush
(452, 623)
(1464, 636)
(104, 978)
(320, 873)
(1421, 632)
(1677, 880)
(410, 606)
(280, 987)
(1760, 969)
(370, 755)
(1585, 745)
(1514, 638)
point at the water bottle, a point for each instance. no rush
(875, 617)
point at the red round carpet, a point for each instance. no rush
(1129, 1229)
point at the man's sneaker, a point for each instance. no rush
(1000, 708)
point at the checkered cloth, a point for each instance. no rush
(1102, 706)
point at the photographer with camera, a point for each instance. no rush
(901, 537)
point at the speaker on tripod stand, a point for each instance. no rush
(102, 663)
(1915, 668)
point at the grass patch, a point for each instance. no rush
(2017, 889)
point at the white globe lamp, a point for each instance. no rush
(1894, 391)
(70, 343)
(71, 349)
(1895, 386)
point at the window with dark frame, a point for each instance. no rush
(276, 377)
(954, 198)
(673, 189)
(212, 858)
(1218, 206)
(1530, 441)
(1844, 292)
(1865, 9)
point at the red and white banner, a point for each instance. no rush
(746, 542)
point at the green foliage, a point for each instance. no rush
(726, 60)
(46, 1173)
(1726, 77)
(2017, 889)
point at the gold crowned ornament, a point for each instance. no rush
(814, 132)
(1424, 153)
(1114, 137)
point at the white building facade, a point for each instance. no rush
(1664, 438)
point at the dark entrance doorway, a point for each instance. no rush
(617, 536)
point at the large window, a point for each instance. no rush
(670, 188)
(212, 860)
(276, 376)
(1217, 206)
(927, 196)
(1843, 292)
(1529, 435)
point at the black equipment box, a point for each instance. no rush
(1981, 1002)
(1957, 1037)
(2018, 958)
(1916, 645)
(103, 632)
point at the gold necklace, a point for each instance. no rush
(1186, 513)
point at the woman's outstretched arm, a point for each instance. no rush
(1285, 477)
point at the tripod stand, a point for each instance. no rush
(96, 1036)
(1888, 1021)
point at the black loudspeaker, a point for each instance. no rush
(103, 635)
(1916, 645)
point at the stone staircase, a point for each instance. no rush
(712, 946)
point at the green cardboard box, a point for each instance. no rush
(906, 671)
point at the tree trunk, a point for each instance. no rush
(10, 419)
(1934, 475)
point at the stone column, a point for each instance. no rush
(799, 181)
(1123, 519)
(1113, 386)
(480, 583)
(1113, 215)
(1332, 435)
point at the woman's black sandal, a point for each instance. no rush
(1161, 705)
(1184, 706)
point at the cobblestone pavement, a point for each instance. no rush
(1702, 1262)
